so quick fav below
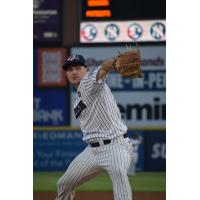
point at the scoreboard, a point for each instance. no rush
(122, 9)
(106, 21)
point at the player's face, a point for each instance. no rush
(75, 73)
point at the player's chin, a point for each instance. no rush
(75, 81)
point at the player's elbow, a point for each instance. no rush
(101, 74)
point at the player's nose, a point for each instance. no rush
(74, 71)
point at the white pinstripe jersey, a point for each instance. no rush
(97, 110)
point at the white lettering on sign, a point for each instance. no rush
(51, 66)
(36, 103)
(158, 151)
(157, 80)
(43, 115)
(57, 135)
(138, 83)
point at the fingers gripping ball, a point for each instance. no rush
(128, 64)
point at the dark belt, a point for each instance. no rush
(97, 144)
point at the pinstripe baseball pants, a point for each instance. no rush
(114, 158)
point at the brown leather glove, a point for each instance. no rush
(128, 64)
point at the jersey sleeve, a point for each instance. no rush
(89, 82)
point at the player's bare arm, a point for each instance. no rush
(128, 64)
(107, 66)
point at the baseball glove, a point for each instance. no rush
(128, 64)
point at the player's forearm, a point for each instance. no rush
(106, 67)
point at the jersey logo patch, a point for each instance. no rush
(79, 108)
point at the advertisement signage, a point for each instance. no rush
(54, 150)
(151, 81)
(47, 21)
(138, 109)
(50, 107)
(152, 57)
(50, 61)
(155, 151)
(141, 101)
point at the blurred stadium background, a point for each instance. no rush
(97, 29)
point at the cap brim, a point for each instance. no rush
(68, 63)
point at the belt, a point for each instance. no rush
(105, 142)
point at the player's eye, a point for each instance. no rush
(69, 69)
(78, 68)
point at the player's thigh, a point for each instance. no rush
(119, 158)
(83, 165)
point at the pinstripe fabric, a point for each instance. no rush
(100, 119)
(82, 168)
(113, 158)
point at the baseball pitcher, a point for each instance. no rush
(109, 149)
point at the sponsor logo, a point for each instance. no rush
(145, 62)
(155, 111)
(134, 31)
(72, 58)
(112, 32)
(89, 32)
(37, 3)
(50, 67)
(46, 115)
(158, 151)
(56, 135)
(157, 30)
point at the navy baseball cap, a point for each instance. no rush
(74, 59)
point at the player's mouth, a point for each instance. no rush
(75, 78)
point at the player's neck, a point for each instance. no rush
(76, 86)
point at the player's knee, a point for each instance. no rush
(120, 171)
(59, 183)
(62, 182)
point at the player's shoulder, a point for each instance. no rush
(87, 78)
(93, 71)
(91, 74)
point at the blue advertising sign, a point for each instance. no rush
(50, 107)
(155, 151)
(140, 151)
(152, 80)
(54, 150)
(35, 66)
(47, 20)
